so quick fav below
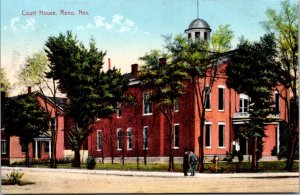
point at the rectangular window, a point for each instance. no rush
(205, 36)
(53, 123)
(99, 140)
(221, 135)
(208, 135)
(244, 106)
(221, 99)
(119, 110)
(3, 146)
(120, 139)
(176, 106)
(197, 35)
(23, 148)
(189, 35)
(147, 107)
(176, 136)
(129, 139)
(277, 103)
(46, 147)
(145, 137)
(207, 102)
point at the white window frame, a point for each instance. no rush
(119, 110)
(244, 97)
(149, 110)
(118, 140)
(176, 105)
(210, 134)
(224, 126)
(3, 146)
(129, 138)
(98, 148)
(144, 137)
(221, 87)
(176, 147)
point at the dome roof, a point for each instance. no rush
(199, 23)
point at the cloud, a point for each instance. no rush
(117, 19)
(119, 22)
(13, 22)
(16, 23)
(99, 21)
(30, 24)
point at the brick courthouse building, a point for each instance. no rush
(132, 131)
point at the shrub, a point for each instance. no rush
(14, 178)
(90, 162)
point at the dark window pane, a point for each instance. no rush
(221, 135)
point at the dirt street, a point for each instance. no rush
(58, 182)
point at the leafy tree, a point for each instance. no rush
(91, 91)
(4, 81)
(251, 71)
(34, 74)
(24, 117)
(203, 69)
(221, 39)
(165, 83)
(285, 27)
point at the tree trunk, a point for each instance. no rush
(53, 161)
(77, 157)
(102, 154)
(254, 167)
(137, 154)
(171, 155)
(27, 155)
(145, 152)
(201, 145)
(293, 146)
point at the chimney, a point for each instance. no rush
(134, 70)
(162, 61)
(109, 66)
(29, 90)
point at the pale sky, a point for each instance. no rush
(126, 29)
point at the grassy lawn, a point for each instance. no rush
(223, 167)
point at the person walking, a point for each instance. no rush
(185, 162)
(193, 162)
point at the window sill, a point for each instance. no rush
(149, 114)
(145, 149)
(208, 147)
(119, 149)
(207, 110)
(223, 147)
(176, 148)
(99, 150)
(129, 149)
(221, 110)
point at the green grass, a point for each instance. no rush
(223, 167)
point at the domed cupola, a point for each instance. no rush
(198, 29)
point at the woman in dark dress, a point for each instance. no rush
(185, 162)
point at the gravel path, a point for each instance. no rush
(62, 181)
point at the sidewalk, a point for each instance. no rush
(156, 173)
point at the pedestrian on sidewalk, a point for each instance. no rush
(185, 162)
(193, 159)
